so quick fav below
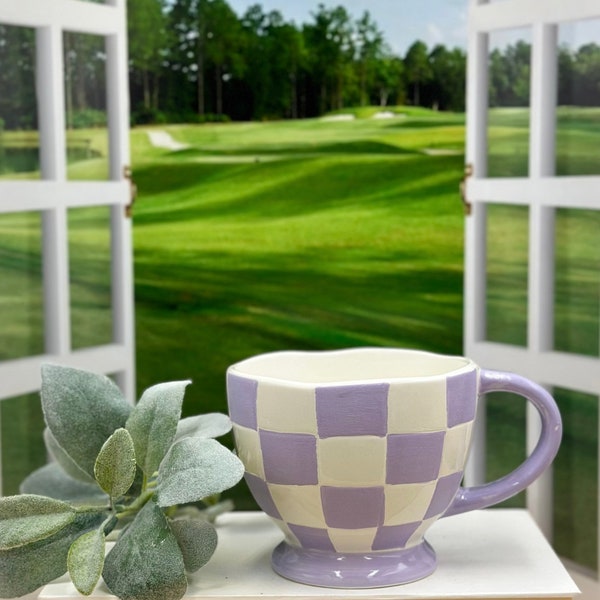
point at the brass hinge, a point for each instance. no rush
(463, 188)
(127, 174)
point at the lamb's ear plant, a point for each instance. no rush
(119, 472)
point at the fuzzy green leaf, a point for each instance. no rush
(82, 410)
(197, 540)
(28, 518)
(50, 480)
(196, 468)
(86, 560)
(153, 423)
(24, 569)
(211, 425)
(146, 562)
(115, 466)
(63, 459)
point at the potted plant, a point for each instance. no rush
(133, 473)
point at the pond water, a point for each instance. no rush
(18, 160)
(26, 159)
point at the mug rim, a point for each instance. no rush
(250, 368)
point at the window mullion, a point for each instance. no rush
(540, 320)
(52, 141)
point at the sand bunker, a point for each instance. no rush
(162, 139)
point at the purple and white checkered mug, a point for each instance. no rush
(355, 453)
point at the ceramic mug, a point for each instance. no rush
(356, 453)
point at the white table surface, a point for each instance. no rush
(494, 553)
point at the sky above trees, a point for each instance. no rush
(402, 21)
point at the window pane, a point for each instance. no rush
(508, 115)
(577, 286)
(578, 117)
(576, 479)
(505, 438)
(507, 249)
(89, 252)
(19, 145)
(85, 105)
(21, 301)
(23, 450)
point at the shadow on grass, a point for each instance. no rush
(271, 190)
(293, 149)
(20, 261)
(160, 177)
(426, 123)
(315, 299)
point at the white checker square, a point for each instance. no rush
(249, 451)
(353, 461)
(290, 538)
(417, 406)
(352, 540)
(299, 504)
(417, 537)
(407, 503)
(456, 447)
(290, 411)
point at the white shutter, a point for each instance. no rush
(53, 195)
(543, 193)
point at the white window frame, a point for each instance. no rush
(53, 195)
(542, 192)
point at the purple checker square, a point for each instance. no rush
(289, 458)
(312, 537)
(394, 536)
(262, 495)
(241, 393)
(445, 491)
(352, 508)
(414, 457)
(461, 398)
(352, 410)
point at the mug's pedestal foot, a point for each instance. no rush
(365, 570)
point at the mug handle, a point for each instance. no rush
(481, 496)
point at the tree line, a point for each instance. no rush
(197, 60)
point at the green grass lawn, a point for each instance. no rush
(318, 234)
(309, 235)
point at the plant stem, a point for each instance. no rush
(136, 505)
